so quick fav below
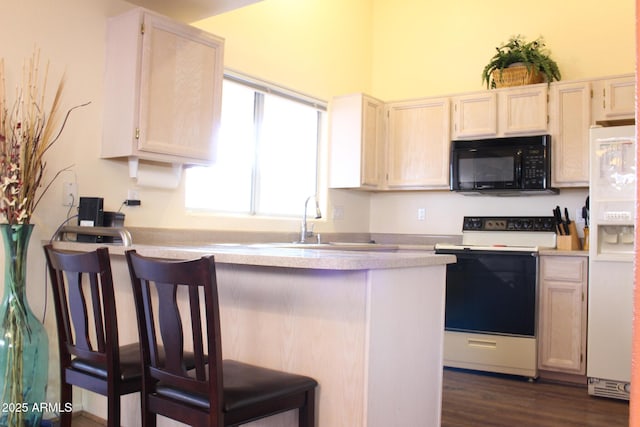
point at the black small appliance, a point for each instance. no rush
(90, 214)
(502, 166)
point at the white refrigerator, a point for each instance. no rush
(612, 194)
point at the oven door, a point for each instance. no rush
(492, 292)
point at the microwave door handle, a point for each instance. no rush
(518, 169)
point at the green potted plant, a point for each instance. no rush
(533, 58)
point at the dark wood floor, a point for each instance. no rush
(474, 399)
(83, 420)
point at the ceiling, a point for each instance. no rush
(191, 10)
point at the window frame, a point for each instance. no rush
(262, 88)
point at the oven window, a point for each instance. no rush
(486, 170)
(492, 292)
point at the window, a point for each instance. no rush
(267, 153)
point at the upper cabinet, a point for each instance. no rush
(570, 123)
(614, 98)
(163, 90)
(475, 115)
(413, 154)
(523, 110)
(357, 142)
(504, 112)
(418, 140)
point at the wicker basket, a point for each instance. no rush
(516, 76)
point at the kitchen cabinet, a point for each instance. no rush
(357, 142)
(163, 89)
(570, 119)
(499, 113)
(418, 139)
(614, 98)
(475, 115)
(562, 329)
(523, 110)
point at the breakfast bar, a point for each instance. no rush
(367, 325)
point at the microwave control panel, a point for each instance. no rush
(534, 168)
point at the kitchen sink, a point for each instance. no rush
(343, 246)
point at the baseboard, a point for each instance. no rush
(55, 422)
(561, 377)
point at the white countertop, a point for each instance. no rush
(272, 256)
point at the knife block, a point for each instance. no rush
(570, 242)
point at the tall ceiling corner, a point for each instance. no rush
(192, 10)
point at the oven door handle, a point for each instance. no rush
(471, 253)
(483, 343)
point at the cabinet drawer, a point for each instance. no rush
(563, 268)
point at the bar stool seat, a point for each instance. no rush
(130, 365)
(244, 385)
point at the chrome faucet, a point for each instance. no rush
(303, 228)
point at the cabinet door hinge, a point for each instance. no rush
(142, 28)
(137, 133)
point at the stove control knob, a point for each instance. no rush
(548, 225)
(471, 223)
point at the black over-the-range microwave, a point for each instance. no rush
(502, 166)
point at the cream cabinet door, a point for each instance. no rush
(499, 113)
(563, 314)
(356, 141)
(570, 122)
(614, 98)
(163, 89)
(523, 110)
(475, 115)
(418, 140)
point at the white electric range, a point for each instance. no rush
(492, 294)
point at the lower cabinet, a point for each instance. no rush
(562, 327)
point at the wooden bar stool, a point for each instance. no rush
(90, 354)
(217, 392)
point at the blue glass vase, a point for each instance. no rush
(24, 346)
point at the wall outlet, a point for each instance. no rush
(422, 214)
(70, 194)
(337, 213)
(132, 194)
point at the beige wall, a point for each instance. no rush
(319, 47)
(439, 47)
